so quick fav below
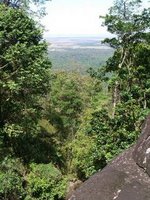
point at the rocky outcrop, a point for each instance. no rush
(141, 153)
(125, 178)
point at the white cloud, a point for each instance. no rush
(75, 17)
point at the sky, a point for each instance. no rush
(75, 17)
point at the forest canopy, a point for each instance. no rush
(59, 127)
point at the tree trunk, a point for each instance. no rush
(145, 102)
(116, 97)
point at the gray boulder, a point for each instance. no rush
(126, 178)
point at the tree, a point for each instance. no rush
(32, 7)
(130, 24)
(25, 80)
(24, 72)
(128, 76)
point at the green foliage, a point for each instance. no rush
(45, 182)
(71, 94)
(25, 77)
(30, 6)
(83, 146)
(82, 162)
(112, 135)
(128, 76)
(79, 60)
(12, 179)
(130, 72)
(24, 71)
(61, 126)
(66, 98)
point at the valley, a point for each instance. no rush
(77, 53)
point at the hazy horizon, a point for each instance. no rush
(79, 36)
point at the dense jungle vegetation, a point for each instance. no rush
(61, 127)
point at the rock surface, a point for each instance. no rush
(125, 178)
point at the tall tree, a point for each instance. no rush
(24, 72)
(128, 80)
(130, 24)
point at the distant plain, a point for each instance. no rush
(77, 53)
